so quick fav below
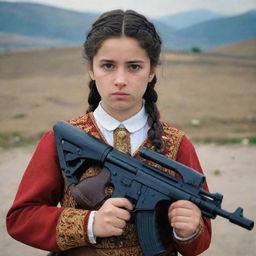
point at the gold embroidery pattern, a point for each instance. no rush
(172, 138)
(91, 172)
(122, 140)
(129, 251)
(127, 240)
(79, 121)
(70, 229)
(67, 200)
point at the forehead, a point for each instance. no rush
(121, 48)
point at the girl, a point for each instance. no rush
(122, 50)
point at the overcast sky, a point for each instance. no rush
(154, 8)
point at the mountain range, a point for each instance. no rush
(26, 25)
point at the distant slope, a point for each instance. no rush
(14, 41)
(222, 31)
(44, 21)
(44, 26)
(190, 18)
(245, 48)
(166, 32)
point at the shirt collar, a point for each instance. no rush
(132, 124)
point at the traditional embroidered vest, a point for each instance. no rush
(128, 241)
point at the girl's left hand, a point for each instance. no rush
(184, 217)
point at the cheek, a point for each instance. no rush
(142, 87)
(100, 88)
(103, 86)
(142, 84)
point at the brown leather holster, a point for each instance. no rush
(90, 192)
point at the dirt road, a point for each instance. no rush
(230, 170)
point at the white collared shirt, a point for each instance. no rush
(137, 126)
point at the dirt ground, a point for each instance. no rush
(230, 170)
(209, 96)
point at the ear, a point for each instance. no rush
(90, 71)
(152, 74)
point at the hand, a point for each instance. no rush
(184, 217)
(111, 218)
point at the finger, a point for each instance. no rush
(121, 202)
(180, 226)
(180, 212)
(180, 219)
(178, 204)
(183, 204)
(117, 232)
(119, 223)
(123, 214)
(180, 222)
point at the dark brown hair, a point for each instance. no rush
(118, 23)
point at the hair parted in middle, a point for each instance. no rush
(118, 23)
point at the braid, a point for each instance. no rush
(94, 97)
(156, 129)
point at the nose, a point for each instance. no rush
(120, 78)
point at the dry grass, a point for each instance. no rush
(40, 87)
(245, 48)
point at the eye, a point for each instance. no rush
(107, 66)
(134, 67)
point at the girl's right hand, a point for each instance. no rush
(111, 218)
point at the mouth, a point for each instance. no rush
(120, 94)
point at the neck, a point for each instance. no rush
(121, 115)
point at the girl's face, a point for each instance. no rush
(121, 70)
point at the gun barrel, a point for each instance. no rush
(236, 217)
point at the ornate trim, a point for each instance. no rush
(172, 138)
(67, 199)
(127, 251)
(70, 230)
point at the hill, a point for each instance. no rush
(41, 21)
(189, 18)
(221, 31)
(39, 25)
(16, 41)
(246, 48)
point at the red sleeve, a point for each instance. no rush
(34, 215)
(187, 156)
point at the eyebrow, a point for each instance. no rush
(129, 62)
